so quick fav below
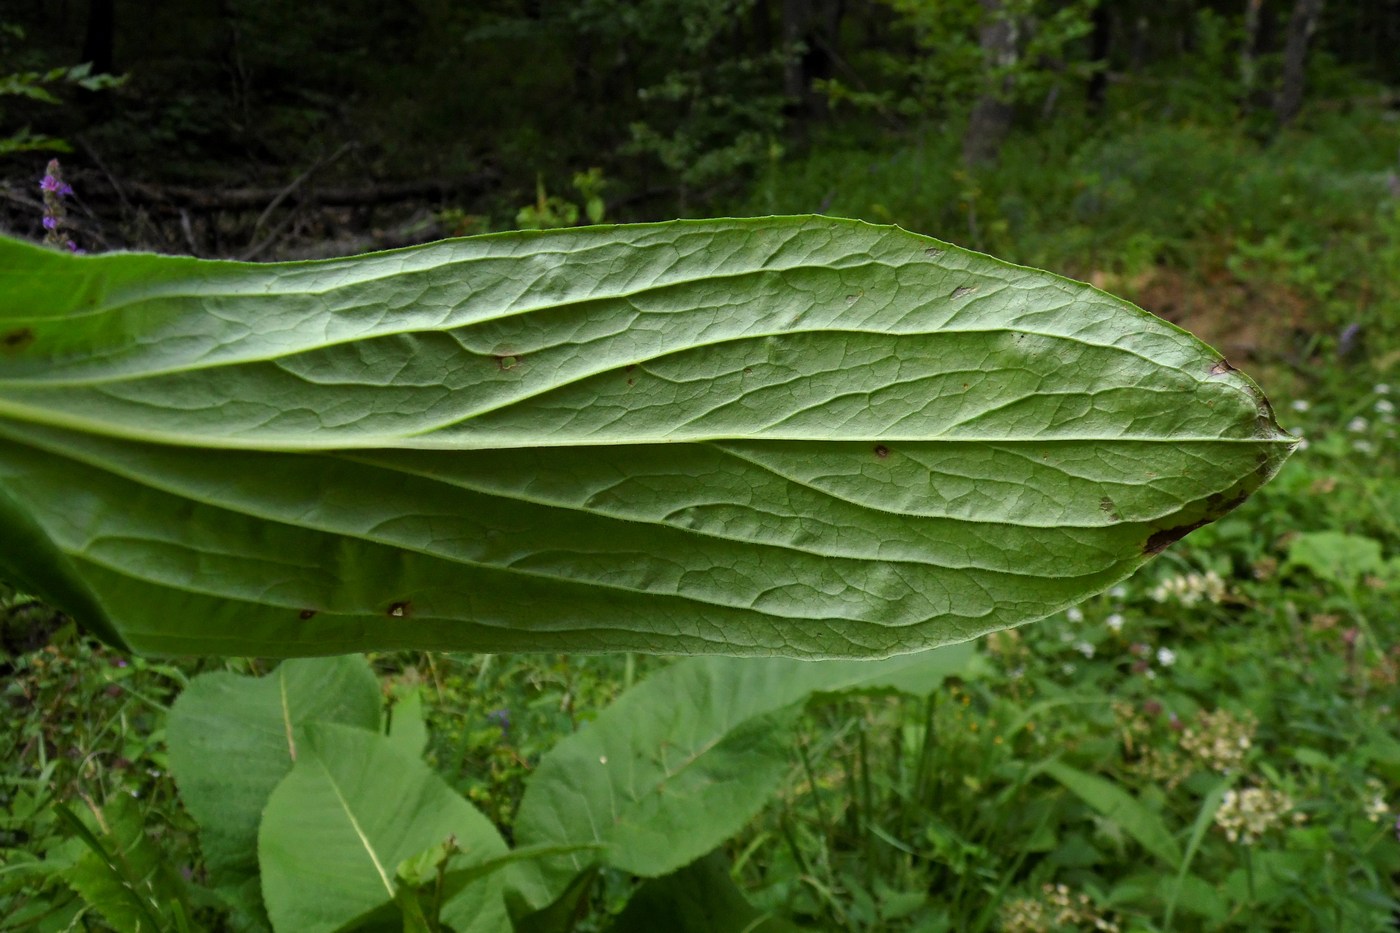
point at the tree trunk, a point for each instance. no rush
(1249, 51)
(991, 115)
(99, 41)
(810, 30)
(1100, 42)
(1295, 59)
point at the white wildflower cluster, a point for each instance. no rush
(1058, 909)
(1146, 751)
(1384, 410)
(1190, 589)
(1246, 815)
(1219, 740)
(1376, 807)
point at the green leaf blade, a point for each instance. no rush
(352, 808)
(797, 436)
(682, 761)
(233, 739)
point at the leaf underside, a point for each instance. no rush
(797, 436)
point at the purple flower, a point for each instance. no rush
(55, 216)
(1346, 342)
(500, 717)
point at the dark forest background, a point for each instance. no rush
(367, 123)
(1203, 158)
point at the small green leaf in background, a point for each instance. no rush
(232, 739)
(352, 809)
(682, 761)
(797, 436)
(407, 727)
(699, 898)
(1337, 557)
(1115, 804)
(122, 875)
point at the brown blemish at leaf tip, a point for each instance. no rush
(1220, 367)
(400, 610)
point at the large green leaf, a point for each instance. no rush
(679, 763)
(353, 807)
(233, 739)
(801, 436)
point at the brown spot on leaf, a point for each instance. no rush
(963, 290)
(1107, 505)
(1159, 541)
(306, 614)
(933, 252)
(17, 339)
(1221, 367)
(881, 451)
(400, 610)
(1219, 505)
